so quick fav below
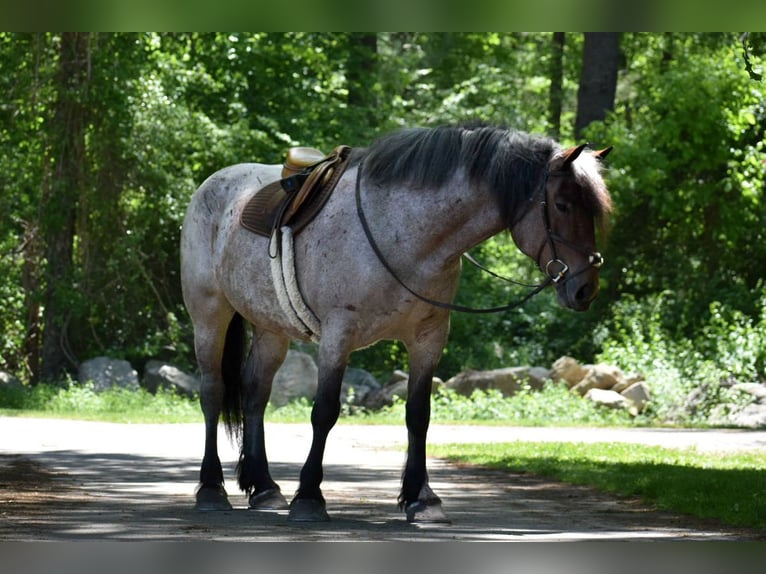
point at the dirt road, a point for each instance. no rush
(74, 480)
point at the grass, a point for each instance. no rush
(555, 405)
(726, 487)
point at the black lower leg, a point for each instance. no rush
(324, 415)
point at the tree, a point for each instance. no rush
(598, 80)
(61, 194)
(556, 93)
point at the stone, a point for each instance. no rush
(638, 394)
(158, 374)
(357, 383)
(508, 380)
(384, 396)
(567, 369)
(611, 399)
(9, 381)
(106, 373)
(756, 390)
(752, 416)
(599, 376)
(296, 378)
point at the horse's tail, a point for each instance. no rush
(232, 365)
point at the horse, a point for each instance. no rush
(380, 261)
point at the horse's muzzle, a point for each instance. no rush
(578, 292)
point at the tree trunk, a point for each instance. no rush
(556, 97)
(60, 196)
(598, 80)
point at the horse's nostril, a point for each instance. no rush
(586, 293)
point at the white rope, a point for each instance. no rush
(288, 293)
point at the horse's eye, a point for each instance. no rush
(562, 207)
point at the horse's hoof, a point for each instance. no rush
(307, 510)
(212, 498)
(420, 512)
(270, 499)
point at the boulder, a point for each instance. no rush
(508, 380)
(638, 394)
(357, 383)
(384, 396)
(567, 369)
(599, 376)
(158, 374)
(106, 373)
(752, 416)
(611, 399)
(296, 378)
(755, 390)
(9, 381)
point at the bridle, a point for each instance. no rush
(595, 260)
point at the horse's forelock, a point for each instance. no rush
(587, 171)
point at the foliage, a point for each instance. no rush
(83, 402)
(644, 337)
(166, 110)
(727, 488)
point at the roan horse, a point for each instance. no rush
(381, 260)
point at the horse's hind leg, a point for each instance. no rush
(214, 342)
(266, 355)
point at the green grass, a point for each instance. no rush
(554, 405)
(727, 487)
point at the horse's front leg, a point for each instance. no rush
(308, 504)
(267, 354)
(417, 499)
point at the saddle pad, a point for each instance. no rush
(271, 207)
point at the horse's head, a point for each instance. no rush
(559, 230)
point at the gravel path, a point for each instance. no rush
(75, 480)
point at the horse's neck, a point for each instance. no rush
(438, 226)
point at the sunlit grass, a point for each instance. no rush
(728, 487)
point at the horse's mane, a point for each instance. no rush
(511, 164)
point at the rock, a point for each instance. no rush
(508, 380)
(568, 370)
(8, 381)
(638, 394)
(396, 387)
(611, 399)
(599, 377)
(752, 416)
(357, 383)
(106, 373)
(158, 374)
(756, 390)
(384, 397)
(296, 378)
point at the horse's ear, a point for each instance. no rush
(602, 153)
(572, 154)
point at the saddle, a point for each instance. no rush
(308, 179)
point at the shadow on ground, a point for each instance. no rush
(71, 495)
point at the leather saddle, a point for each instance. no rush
(308, 179)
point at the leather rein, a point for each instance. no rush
(555, 269)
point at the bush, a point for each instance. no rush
(642, 337)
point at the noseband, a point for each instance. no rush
(556, 269)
